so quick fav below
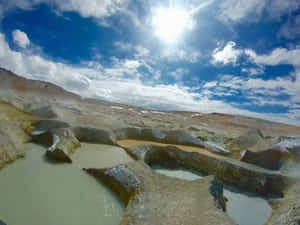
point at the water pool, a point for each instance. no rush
(243, 208)
(99, 156)
(36, 191)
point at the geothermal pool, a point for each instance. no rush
(243, 208)
(99, 156)
(126, 143)
(36, 191)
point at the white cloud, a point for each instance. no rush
(259, 91)
(138, 51)
(226, 55)
(240, 10)
(92, 8)
(253, 71)
(20, 38)
(230, 54)
(174, 54)
(210, 84)
(276, 57)
(236, 10)
(124, 68)
(179, 73)
(123, 46)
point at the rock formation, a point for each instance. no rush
(61, 143)
(152, 198)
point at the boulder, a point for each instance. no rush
(253, 140)
(291, 146)
(60, 142)
(268, 159)
(94, 135)
(13, 126)
(12, 139)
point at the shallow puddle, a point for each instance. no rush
(178, 173)
(99, 156)
(130, 143)
(36, 191)
(244, 208)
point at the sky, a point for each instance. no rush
(238, 57)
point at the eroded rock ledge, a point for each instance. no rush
(155, 199)
(167, 137)
(14, 125)
(230, 171)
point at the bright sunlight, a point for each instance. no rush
(170, 23)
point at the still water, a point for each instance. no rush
(36, 191)
(243, 208)
(99, 156)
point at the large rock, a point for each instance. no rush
(291, 146)
(94, 135)
(60, 142)
(152, 198)
(8, 149)
(268, 159)
(13, 126)
(282, 156)
(253, 140)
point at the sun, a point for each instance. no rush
(170, 23)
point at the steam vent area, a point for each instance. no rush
(67, 160)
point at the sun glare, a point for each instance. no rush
(170, 23)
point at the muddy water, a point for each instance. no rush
(99, 156)
(244, 208)
(36, 191)
(130, 143)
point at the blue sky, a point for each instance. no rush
(231, 56)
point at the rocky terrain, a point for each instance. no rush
(252, 154)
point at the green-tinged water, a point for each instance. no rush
(99, 156)
(243, 208)
(36, 191)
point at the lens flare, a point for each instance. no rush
(170, 23)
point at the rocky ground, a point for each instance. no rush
(237, 150)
